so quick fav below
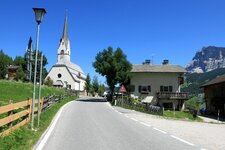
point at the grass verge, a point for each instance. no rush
(19, 91)
(180, 115)
(24, 138)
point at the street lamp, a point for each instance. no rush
(39, 13)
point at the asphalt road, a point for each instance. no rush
(95, 125)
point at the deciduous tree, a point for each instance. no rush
(114, 66)
(5, 61)
(88, 84)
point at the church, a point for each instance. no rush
(65, 73)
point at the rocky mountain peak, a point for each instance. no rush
(207, 59)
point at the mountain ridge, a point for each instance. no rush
(207, 59)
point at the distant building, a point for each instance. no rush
(215, 95)
(12, 70)
(158, 84)
(65, 73)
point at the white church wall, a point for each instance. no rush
(65, 76)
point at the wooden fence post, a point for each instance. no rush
(29, 108)
(10, 113)
(42, 101)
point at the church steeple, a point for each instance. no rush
(65, 30)
(64, 45)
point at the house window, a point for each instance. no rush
(144, 89)
(166, 88)
(68, 86)
(131, 88)
(168, 105)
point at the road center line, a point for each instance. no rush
(120, 113)
(160, 130)
(145, 124)
(182, 140)
(134, 119)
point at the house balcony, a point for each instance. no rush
(172, 95)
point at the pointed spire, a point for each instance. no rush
(65, 30)
(30, 44)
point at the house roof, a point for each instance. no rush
(158, 68)
(217, 80)
(13, 67)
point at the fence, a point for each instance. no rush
(156, 110)
(15, 115)
(50, 100)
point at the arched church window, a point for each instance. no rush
(62, 52)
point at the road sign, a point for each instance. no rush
(122, 89)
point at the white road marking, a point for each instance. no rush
(145, 124)
(120, 113)
(203, 149)
(126, 116)
(134, 119)
(182, 140)
(52, 126)
(160, 130)
(109, 105)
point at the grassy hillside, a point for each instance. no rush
(18, 91)
(195, 80)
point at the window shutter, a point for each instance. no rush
(139, 88)
(161, 88)
(149, 88)
(170, 88)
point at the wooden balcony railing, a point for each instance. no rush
(172, 95)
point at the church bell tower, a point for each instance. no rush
(64, 45)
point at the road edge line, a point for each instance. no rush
(134, 119)
(145, 124)
(182, 140)
(160, 130)
(44, 138)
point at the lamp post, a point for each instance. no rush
(39, 90)
(39, 13)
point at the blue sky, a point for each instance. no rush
(165, 29)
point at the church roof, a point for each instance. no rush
(74, 69)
